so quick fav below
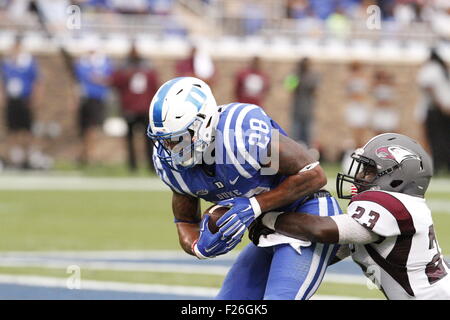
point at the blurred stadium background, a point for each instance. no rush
(61, 218)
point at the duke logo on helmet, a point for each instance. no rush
(182, 119)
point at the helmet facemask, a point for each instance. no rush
(361, 175)
(183, 149)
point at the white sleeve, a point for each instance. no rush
(270, 218)
(351, 231)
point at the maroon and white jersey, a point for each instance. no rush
(406, 261)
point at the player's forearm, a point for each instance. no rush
(341, 229)
(187, 234)
(187, 215)
(292, 188)
(307, 227)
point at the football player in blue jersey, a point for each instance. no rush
(237, 156)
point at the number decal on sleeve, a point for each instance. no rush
(435, 269)
(259, 135)
(360, 213)
(374, 216)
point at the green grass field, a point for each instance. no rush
(57, 220)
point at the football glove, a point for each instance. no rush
(210, 245)
(258, 229)
(242, 213)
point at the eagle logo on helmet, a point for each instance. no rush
(396, 153)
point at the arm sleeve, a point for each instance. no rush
(351, 231)
(381, 213)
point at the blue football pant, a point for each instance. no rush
(279, 272)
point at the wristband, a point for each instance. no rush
(195, 250)
(255, 206)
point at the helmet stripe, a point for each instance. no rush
(158, 105)
(195, 101)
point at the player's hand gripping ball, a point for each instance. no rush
(212, 242)
(215, 212)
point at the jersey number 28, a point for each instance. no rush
(260, 130)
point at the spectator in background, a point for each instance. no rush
(198, 64)
(130, 6)
(323, 8)
(440, 19)
(161, 7)
(21, 92)
(434, 108)
(385, 116)
(357, 110)
(387, 8)
(94, 5)
(304, 85)
(407, 12)
(254, 17)
(252, 84)
(357, 9)
(92, 71)
(338, 23)
(297, 9)
(136, 83)
(52, 11)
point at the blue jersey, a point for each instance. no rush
(243, 136)
(86, 70)
(19, 76)
(244, 133)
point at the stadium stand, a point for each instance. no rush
(332, 33)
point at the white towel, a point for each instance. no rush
(276, 238)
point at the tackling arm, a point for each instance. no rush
(304, 226)
(304, 178)
(292, 159)
(186, 211)
(341, 229)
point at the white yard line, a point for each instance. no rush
(51, 260)
(68, 182)
(121, 266)
(52, 282)
(80, 183)
(153, 184)
(160, 268)
(38, 281)
(114, 254)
